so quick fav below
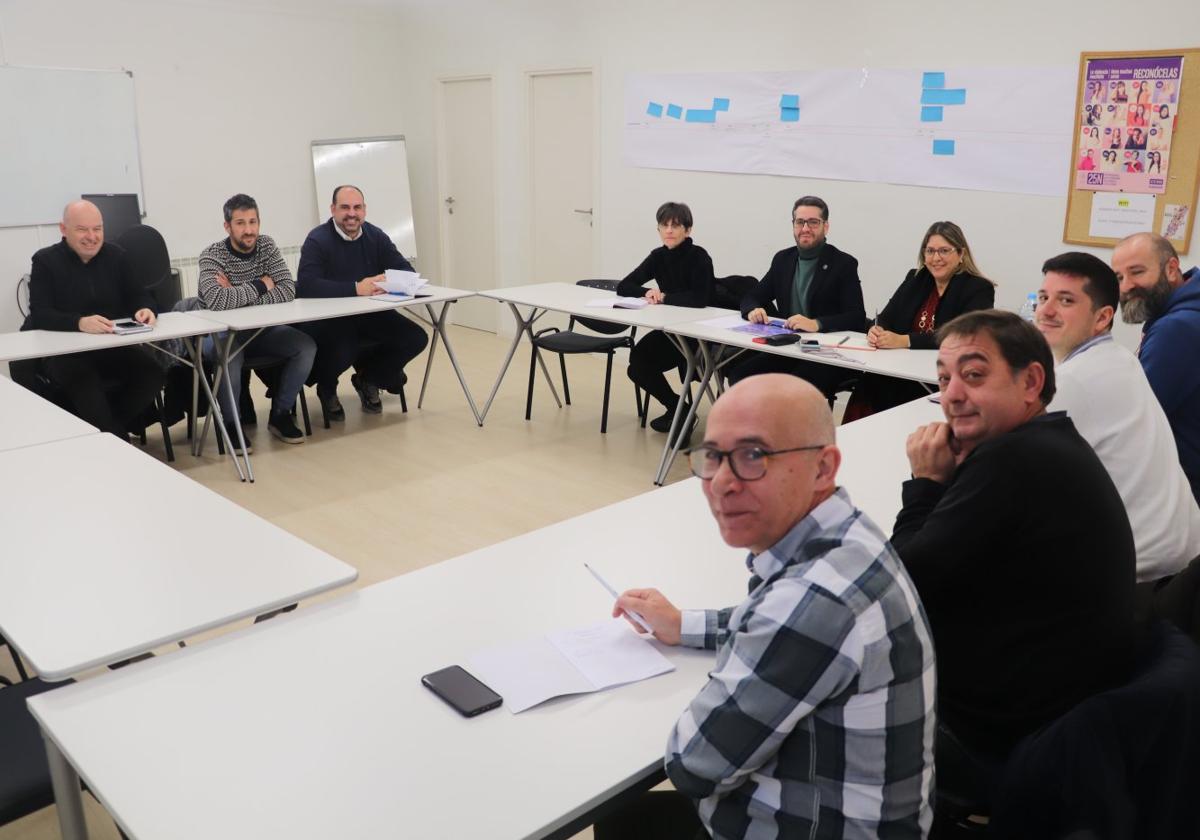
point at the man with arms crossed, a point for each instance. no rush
(1019, 546)
(247, 269)
(83, 283)
(817, 718)
(814, 287)
(1155, 292)
(1102, 388)
(344, 257)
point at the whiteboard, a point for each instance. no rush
(379, 167)
(64, 133)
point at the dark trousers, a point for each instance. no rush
(108, 388)
(824, 378)
(649, 359)
(377, 345)
(655, 815)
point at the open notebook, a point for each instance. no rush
(598, 656)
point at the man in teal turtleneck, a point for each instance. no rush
(814, 286)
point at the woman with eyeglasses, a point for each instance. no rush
(945, 284)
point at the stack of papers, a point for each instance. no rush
(619, 303)
(598, 656)
(400, 285)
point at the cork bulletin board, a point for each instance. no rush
(1137, 123)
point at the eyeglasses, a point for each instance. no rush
(939, 252)
(808, 223)
(749, 463)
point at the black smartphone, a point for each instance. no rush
(462, 691)
(785, 338)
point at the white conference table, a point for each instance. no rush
(249, 736)
(874, 458)
(110, 553)
(28, 420)
(844, 349)
(571, 299)
(301, 310)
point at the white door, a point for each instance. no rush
(467, 194)
(561, 144)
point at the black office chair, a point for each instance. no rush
(24, 772)
(15, 658)
(728, 291)
(30, 374)
(564, 342)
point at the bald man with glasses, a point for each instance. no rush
(818, 716)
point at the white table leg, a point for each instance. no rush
(524, 328)
(682, 420)
(213, 409)
(439, 327)
(68, 797)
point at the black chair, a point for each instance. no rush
(564, 342)
(24, 773)
(15, 658)
(728, 291)
(30, 374)
(1122, 764)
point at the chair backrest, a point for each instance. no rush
(24, 773)
(728, 291)
(150, 263)
(602, 327)
(1125, 762)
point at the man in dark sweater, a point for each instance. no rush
(814, 287)
(1019, 546)
(344, 257)
(83, 283)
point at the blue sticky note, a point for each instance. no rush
(949, 96)
(654, 109)
(943, 147)
(790, 100)
(674, 111)
(720, 104)
(789, 114)
(931, 113)
(701, 116)
(933, 80)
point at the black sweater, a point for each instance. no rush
(684, 274)
(1025, 565)
(834, 295)
(63, 288)
(330, 266)
(965, 293)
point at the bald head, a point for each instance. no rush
(783, 406)
(82, 227)
(790, 425)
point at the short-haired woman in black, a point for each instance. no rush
(684, 273)
(945, 284)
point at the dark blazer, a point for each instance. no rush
(965, 293)
(834, 295)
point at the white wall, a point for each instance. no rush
(228, 98)
(742, 219)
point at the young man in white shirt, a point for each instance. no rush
(1104, 391)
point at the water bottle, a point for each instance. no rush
(1029, 307)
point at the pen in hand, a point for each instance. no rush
(641, 621)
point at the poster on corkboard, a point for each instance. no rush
(1135, 160)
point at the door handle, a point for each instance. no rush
(586, 212)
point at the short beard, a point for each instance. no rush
(1141, 305)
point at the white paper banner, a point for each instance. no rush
(997, 129)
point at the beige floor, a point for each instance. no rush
(392, 493)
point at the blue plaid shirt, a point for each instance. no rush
(818, 719)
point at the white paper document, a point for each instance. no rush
(402, 282)
(1118, 215)
(618, 303)
(578, 661)
(725, 322)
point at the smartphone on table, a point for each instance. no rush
(466, 694)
